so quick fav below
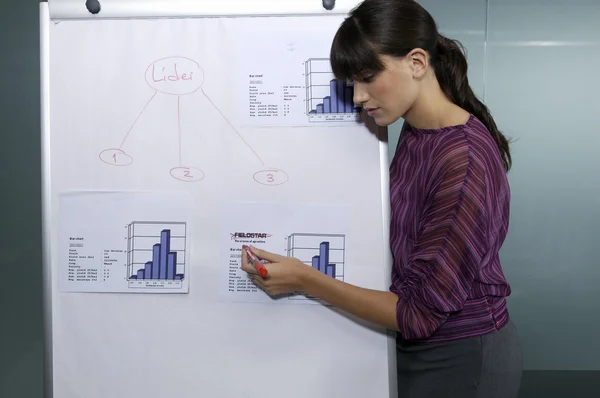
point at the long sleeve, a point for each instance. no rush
(449, 246)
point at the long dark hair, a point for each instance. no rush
(394, 28)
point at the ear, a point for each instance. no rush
(419, 62)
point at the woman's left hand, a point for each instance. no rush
(285, 274)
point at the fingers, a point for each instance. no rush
(247, 265)
(266, 286)
(265, 255)
(258, 281)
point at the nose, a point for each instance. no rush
(360, 94)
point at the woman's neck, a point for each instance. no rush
(433, 110)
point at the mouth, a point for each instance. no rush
(371, 111)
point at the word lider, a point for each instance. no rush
(175, 75)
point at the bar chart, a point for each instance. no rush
(328, 99)
(324, 252)
(156, 254)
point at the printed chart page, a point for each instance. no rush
(286, 81)
(124, 242)
(314, 234)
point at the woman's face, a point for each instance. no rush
(387, 95)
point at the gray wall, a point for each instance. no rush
(20, 236)
(539, 75)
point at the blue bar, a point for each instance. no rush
(148, 270)
(334, 96)
(178, 277)
(327, 105)
(165, 247)
(349, 98)
(155, 261)
(323, 256)
(140, 274)
(331, 270)
(341, 86)
(315, 262)
(320, 108)
(171, 262)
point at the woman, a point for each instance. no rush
(449, 210)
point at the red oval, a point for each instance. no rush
(187, 174)
(175, 75)
(271, 177)
(115, 157)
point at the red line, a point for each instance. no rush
(234, 129)
(179, 127)
(136, 119)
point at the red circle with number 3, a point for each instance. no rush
(270, 177)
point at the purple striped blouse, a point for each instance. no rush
(450, 202)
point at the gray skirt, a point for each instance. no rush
(487, 366)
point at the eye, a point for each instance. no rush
(368, 77)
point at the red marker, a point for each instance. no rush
(257, 264)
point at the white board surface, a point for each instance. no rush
(198, 106)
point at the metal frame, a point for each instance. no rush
(77, 9)
(46, 195)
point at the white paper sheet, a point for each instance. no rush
(124, 242)
(289, 82)
(314, 234)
